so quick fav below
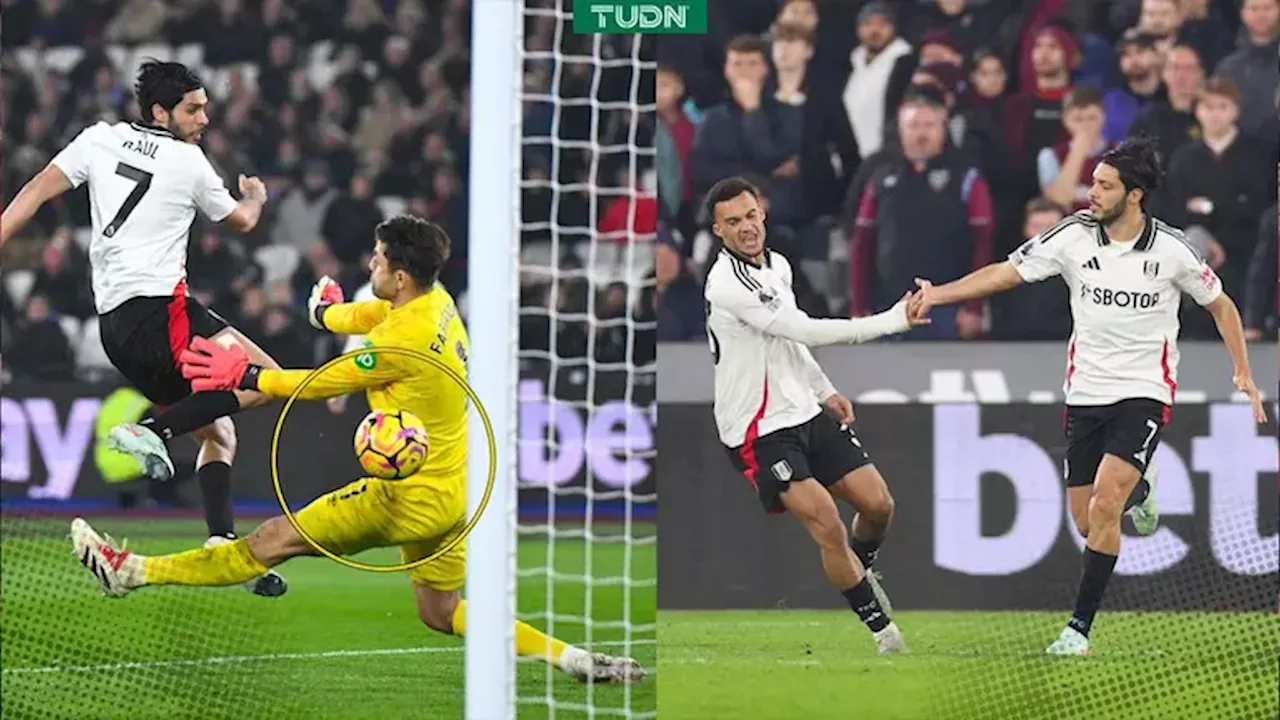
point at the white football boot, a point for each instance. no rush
(117, 570)
(1070, 642)
(889, 640)
(1145, 515)
(594, 667)
(143, 445)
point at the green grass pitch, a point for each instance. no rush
(776, 664)
(341, 644)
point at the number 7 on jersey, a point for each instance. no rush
(142, 183)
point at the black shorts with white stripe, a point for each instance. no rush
(822, 449)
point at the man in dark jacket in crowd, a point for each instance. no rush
(753, 133)
(1253, 67)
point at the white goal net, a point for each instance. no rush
(586, 550)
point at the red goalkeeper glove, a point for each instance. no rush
(210, 366)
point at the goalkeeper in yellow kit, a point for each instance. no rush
(420, 513)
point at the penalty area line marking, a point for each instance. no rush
(238, 659)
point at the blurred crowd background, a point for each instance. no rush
(930, 137)
(350, 111)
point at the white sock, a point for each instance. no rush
(571, 657)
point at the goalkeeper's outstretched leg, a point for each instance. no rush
(120, 571)
(446, 612)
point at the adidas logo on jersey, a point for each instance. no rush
(1092, 264)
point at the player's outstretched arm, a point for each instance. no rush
(768, 314)
(794, 324)
(981, 283)
(210, 366)
(47, 185)
(247, 212)
(1195, 278)
(327, 310)
(1227, 317)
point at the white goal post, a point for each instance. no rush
(493, 296)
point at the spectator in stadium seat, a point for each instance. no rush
(1140, 62)
(924, 213)
(966, 26)
(379, 121)
(973, 134)
(58, 22)
(988, 79)
(939, 47)
(791, 48)
(138, 21)
(301, 214)
(1206, 30)
(216, 268)
(348, 219)
(679, 298)
(273, 77)
(753, 133)
(880, 73)
(1253, 67)
(1222, 183)
(1261, 315)
(829, 155)
(63, 279)
(983, 104)
(1065, 170)
(1034, 311)
(1033, 118)
(1161, 19)
(285, 335)
(229, 35)
(1172, 121)
(634, 211)
(45, 352)
(673, 144)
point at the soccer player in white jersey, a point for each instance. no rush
(146, 182)
(1126, 271)
(770, 396)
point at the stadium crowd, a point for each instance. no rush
(349, 110)
(925, 138)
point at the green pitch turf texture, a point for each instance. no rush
(341, 644)
(776, 664)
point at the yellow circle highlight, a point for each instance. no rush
(471, 395)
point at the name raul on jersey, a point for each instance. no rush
(142, 146)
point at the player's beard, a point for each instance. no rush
(1108, 216)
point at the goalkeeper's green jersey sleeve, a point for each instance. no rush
(431, 389)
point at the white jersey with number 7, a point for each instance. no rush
(145, 186)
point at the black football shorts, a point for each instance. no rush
(144, 336)
(1129, 429)
(820, 449)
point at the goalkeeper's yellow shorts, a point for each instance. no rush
(419, 515)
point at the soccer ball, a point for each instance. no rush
(391, 445)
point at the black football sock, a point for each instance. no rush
(1139, 494)
(863, 602)
(1093, 583)
(215, 490)
(192, 413)
(866, 550)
